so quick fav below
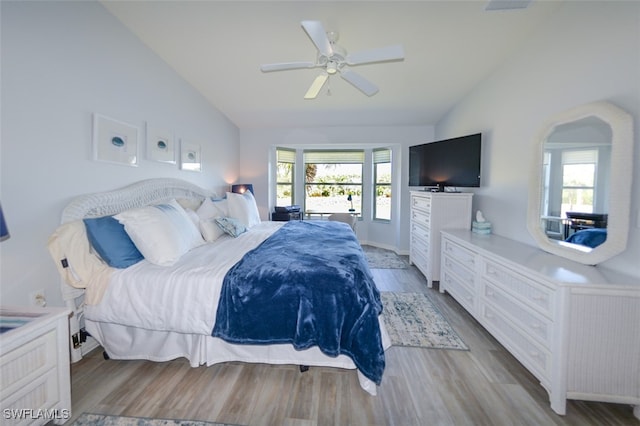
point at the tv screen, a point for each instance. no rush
(449, 162)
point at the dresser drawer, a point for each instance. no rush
(419, 244)
(463, 274)
(422, 203)
(421, 261)
(41, 393)
(27, 362)
(531, 322)
(531, 354)
(460, 254)
(532, 294)
(420, 231)
(452, 285)
(420, 217)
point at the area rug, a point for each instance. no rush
(411, 319)
(379, 258)
(87, 419)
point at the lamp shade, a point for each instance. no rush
(4, 232)
(242, 188)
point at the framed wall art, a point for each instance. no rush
(190, 157)
(160, 145)
(115, 141)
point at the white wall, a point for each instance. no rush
(256, 143)
(62, 62)
(588, 51)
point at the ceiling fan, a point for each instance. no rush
(334, 59)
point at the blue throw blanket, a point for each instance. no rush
(308, 284)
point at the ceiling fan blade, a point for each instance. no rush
(361, 83)
(286, 66)
(383, 54)
(318, 36)
(316, 86)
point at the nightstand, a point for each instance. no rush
(34, 365)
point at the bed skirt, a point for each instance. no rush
(136, 343)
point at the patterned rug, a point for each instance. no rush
(106, 420)
(379, 258)
(412, 320)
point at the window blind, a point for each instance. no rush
(286, 155)
(589, 156)
(381, 155)
(334, 157)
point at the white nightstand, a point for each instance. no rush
(35, 383)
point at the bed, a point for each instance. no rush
(209, 302)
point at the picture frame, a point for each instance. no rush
(115, 141)
(190, 157)
(161, 145)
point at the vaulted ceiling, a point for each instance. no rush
(218, 47)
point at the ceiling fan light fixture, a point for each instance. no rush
(332, 67)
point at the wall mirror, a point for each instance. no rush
(580, 186)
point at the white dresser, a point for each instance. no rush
(432, 212)
(34, 366)
(576, 328)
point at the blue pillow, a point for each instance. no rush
(109, 239)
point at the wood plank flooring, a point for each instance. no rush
(482, 386)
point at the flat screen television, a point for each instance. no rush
(451, 162)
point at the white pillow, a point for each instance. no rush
(243, 208)
(210, 229)
(193, 216)
(209, 209)
(162, 233)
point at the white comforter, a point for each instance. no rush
(181, 298)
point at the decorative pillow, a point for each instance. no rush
(231, 226)
(193, 216)
(162, 233)
(243, 208)
(112, 243)
(210, 208)
(210, 229)
(189, 203)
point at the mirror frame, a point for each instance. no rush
(621, 124)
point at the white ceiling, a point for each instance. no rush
(218, 47)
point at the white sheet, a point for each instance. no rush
(181, 298)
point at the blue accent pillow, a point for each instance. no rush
(109, 239)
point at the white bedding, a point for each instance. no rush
(180, 298)
(162, 313)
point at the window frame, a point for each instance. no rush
(292, 184)
(327, 156)
(382, 156)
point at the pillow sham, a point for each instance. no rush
(112, 243)
(162, 233)
(243, 208)
(212, 208)
(210, 229)
(231, 226)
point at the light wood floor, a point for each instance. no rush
(483, 386)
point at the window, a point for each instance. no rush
(285, 171)
(382, 184)
(333, 181)
(578, 180)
